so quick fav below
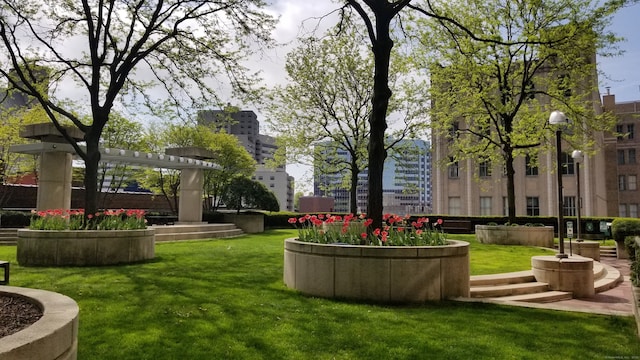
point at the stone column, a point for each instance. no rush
(54, 183)
(190, 203)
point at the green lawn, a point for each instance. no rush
(225, 299)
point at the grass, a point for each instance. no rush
(225, 299)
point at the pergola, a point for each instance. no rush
(56, 158)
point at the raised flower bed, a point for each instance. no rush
(412, 271)
(119, 237)
(53, 337)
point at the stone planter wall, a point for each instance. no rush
(84, 247)
(515, 235)
(385, 274)
(249, 223)
(53, 337)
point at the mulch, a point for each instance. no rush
(16, 313)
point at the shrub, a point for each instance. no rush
(621, 228)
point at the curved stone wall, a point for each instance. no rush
(515, 235)
(84, 247)
(53, 337)
(386, 274)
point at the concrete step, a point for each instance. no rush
(542, 297)
(8, 236)
(508, 290)
(608, 252)
(181, 229)
(610, 279)
(195, 232)
(199, 235)
(502, 279)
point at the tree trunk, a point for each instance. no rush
(378, 124)
(355, 171)
(91, 173)
(511, 188)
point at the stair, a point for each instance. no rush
(522, 286)
(166, 233)
(8, 236)
(608, 251)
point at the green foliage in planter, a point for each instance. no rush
(623, 227)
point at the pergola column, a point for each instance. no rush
(54, 191)
(55, 164)
(191, 196)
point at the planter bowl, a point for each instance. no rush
(384, 274)
(515, 235)
(84, 247)
(53, 337)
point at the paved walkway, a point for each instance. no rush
(616, 301)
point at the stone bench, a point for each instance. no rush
(5, 266)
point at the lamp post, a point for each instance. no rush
(559, 119)
(577, 158)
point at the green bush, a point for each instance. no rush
(631, 243)
(621, 228)
(14, 219)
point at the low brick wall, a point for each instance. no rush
(385, 274)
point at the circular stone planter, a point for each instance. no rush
(84, 247)
(515, 235)
(573, 274)
(385, 274)
(53, 337)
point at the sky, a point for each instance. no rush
(296, 17)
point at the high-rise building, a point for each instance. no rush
(406, 181)
(245, 126)
(622, 165)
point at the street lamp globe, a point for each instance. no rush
(558, 118)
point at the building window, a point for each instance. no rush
(484, 169)
(621, 183)
(272, 178)
(485, 205)
(567, 164)
(632, 182)
(531, 169)
(533, 206)
(453, 169)
(630, 129)
(619, 131)
(622, 210)
(620, 157)
(505, 206)
(632, 156)
(454, 206)
(569, 206)
(633, 210)
(259, 177)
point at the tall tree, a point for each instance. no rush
(322, 114)
(234, 162)
(119, 133)
(492, 100)
(119, 51)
